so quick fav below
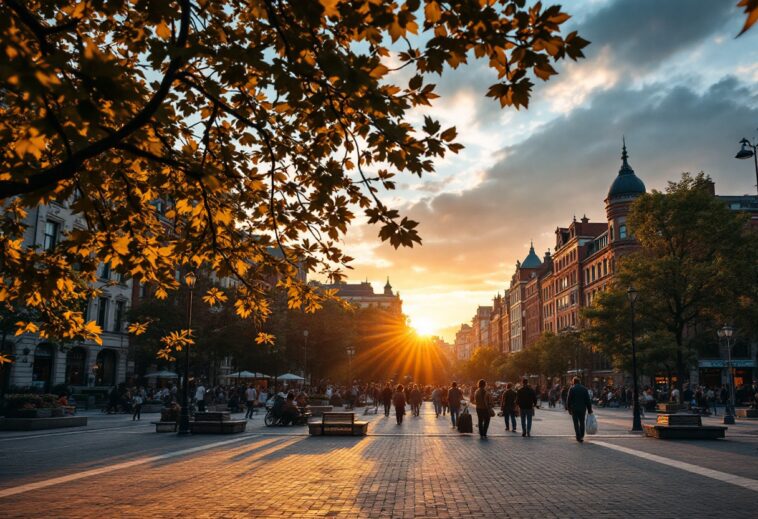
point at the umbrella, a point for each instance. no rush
(247, 374)
(289, 376)
(162, 374)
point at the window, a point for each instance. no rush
(105, 271)
(605, 267)
(102, 313)
(51, 235)
(120, 313)
(622, 232)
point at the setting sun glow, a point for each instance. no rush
(423, 326)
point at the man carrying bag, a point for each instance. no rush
(578, 404)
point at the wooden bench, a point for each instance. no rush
(683, 427)
(670, 407)
(318, 410)
(338, 424)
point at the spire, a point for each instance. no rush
(388, 288)
(625, 167)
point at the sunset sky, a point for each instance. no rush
(669, 75)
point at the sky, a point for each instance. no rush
(669, 75)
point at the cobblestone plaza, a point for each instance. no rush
(424, 468)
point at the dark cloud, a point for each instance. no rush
(643, 33)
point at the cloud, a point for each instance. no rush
(644, 33)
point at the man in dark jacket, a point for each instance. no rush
(508, 406)
(454, 397)
(526, 398)
(578, 403)
(387, 398)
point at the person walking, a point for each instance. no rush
(437, 400)
(137, 401)
(250, 397)
(415, 400)
(483, 403)
(387, 398)
(578, 404)
(508, 406)
(200, 397)
(443, 393)
(454, 397)
(526, 398)
(399, 400)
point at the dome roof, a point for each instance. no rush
(626, 183)
(531, 261)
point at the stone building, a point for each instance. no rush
(40, 363)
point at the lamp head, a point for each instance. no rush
(190, 279)
(632, 294)
(728, 331)
(745, 152)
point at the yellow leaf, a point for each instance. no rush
(121, 245)
(379, 71)
(331, 7)
(432, 12)
(162, 30)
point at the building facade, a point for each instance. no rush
(41, 364)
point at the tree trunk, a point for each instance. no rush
(679, 362)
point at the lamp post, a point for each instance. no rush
(726, 332)
(747, 151)
(184, 426)
(305, 356)
(350, 353)
(632, 294)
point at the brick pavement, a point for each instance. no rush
(420, 469)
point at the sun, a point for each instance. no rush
(423, 326)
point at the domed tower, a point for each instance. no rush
(532, 261)
(625, 189)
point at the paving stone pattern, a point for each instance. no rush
(420, 469)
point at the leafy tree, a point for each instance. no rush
(484, 363)
(689, 271)
(192, 133)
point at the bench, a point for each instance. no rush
(670, 407)
(338, 424)
(683, 427)
(161, 427)
(216, 422)
(318, 410)
(746, 413)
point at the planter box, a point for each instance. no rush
(218, 427)
(36, 424)
(152, 408)
(746, 413)
(35, 413)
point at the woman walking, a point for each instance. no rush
(415, 400)
(399, 400)
(484, 408)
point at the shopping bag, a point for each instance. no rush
(591, 425)
(465, 422)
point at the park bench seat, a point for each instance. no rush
(161, 427)
(683, 427)
(216, 422)
(338, 424)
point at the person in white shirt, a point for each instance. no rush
(262, 397)
(250, 396)
(200, 397)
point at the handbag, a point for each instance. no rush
(591, 424)
(492, 411)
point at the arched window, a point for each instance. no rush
(42, 369)
(76, 367)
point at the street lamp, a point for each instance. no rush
(305, 355)
(747, 151)
(184, 427)
(632, 294)
(350, 353)
(726, 332)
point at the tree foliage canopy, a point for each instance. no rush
(695, 270)
(192, 132)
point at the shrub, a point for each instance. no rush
(30, 401)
